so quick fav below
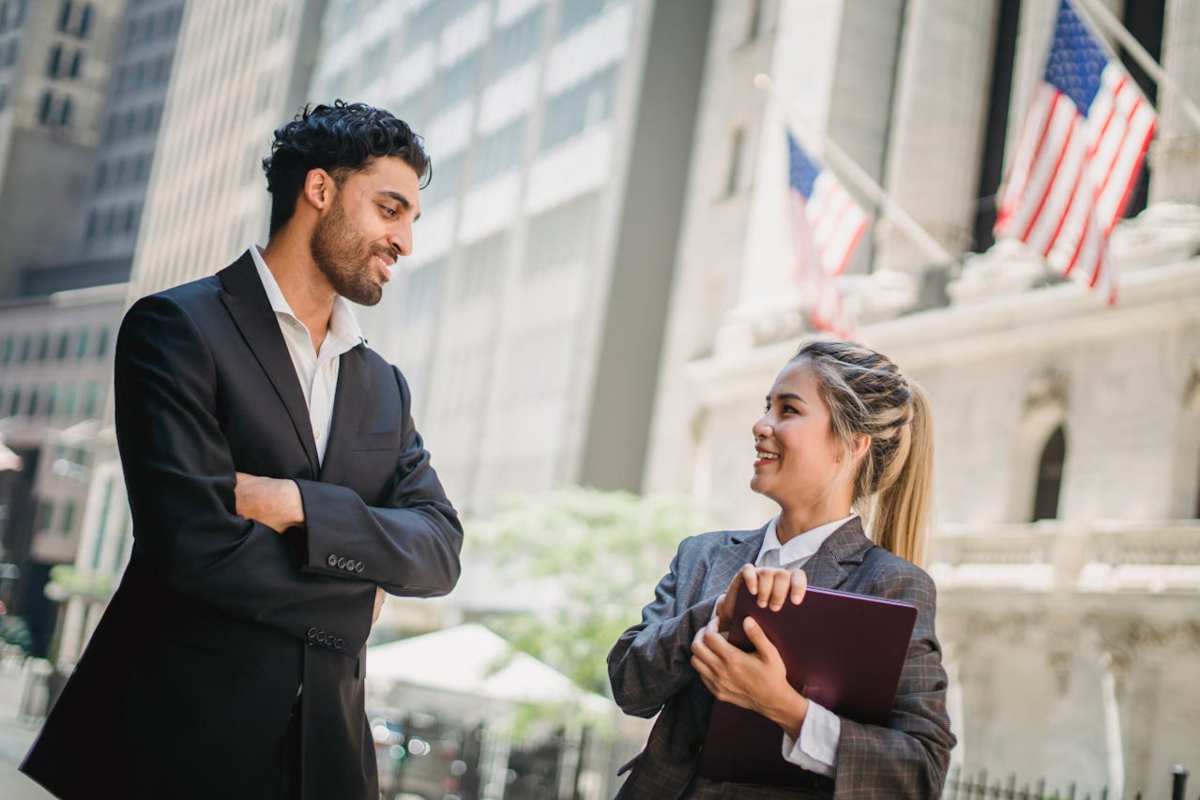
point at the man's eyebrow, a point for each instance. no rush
(404, 202)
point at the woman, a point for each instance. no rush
(843, 430)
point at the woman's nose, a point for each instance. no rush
(762, 428)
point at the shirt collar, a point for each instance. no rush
(343, 327)
(803, 546)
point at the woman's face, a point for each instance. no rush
(797, 459)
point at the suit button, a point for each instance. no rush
(350, 562)
(332, 560)
(311, 633)
(339, 643)
(341, 562)
(358, 567)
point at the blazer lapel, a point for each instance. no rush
(247, 303)
(349, 404)
(730, 556)
(845, 547)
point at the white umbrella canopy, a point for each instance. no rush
(9, 461)
(470, 659)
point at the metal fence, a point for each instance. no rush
(980, 786)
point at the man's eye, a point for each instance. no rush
(391, 212)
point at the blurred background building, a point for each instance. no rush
(602, 291)
(1067, 546)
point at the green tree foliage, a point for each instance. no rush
(605, 551)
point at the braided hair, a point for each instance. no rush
(868, 395)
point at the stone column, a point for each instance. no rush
(937, 128)
(1175, 152)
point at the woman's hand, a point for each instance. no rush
(756, 680)
(771, 585)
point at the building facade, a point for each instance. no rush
(55, 60)
(1067, 432)
(129, 125)
(529, 318)
(55, 370)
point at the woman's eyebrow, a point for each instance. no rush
(788, 396)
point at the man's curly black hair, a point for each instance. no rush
(340, 139)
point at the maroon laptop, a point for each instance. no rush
(842, 650)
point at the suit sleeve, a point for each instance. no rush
(908, 757)
(409, 545)
(651, 661)
(180, 477)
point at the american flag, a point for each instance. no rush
(826, 227)
(1081, 150)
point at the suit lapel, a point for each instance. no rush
(845, 547)
(247, 303)
(349, 403)
(741, 549)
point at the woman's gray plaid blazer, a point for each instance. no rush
(650, 671)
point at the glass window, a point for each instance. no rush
(500, 151)
(65, 112)
(422, 290)
(45, 515)
(447, 175)
(574, 14)
(457, 82)
(561, 235)
(423, 25)
(483, 265)
(26, 347)
(64, 16)
(14, 402)
(44, 347)
(517, 43)
(81, 347)
(91, 399)
(44, 107)
(31, 408)
(64, 341)
(574, 110)
(51, 400)
(69, 396)
(76, 64)
(55, 62)
(102, 343)
(85, 21)
(6, 352)
(68, 518)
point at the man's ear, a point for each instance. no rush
(319, 189)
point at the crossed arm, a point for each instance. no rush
(214, 534)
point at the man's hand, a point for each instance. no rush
(379, 598)
(756, 680)
(274, 502)
(771, 585)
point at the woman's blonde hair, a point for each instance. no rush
(867, 394)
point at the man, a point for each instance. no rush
(277, 487)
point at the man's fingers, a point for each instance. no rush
(799, 584)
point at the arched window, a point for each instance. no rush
(1049, 476)
(44, 107)
(85, 21)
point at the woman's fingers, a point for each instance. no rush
(799, 584)
(749, 576)
(758, 638)
(779, 589)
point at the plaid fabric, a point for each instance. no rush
(650, 674)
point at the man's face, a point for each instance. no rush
(366, 228)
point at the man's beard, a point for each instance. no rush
(344, 258)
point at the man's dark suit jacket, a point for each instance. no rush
(185, 689)
(650, 671)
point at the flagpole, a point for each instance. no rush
(845, 165)
(1099, 12)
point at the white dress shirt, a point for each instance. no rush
(316, 370)
(816, 749)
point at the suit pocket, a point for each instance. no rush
(628, 765)
(381, 440)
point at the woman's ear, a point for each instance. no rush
(862, 444)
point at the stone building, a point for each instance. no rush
(1066, 545)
